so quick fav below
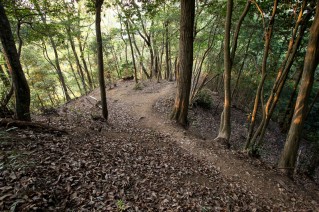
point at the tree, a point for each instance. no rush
(132, 50)
(82, 44)
(21, 88)
(268, 32)
(289, 154)
(293, 46)
(186, 62)
(57, 65)
(77, 60)
(224, 129)
(98, 8)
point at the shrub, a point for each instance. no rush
(204, 99)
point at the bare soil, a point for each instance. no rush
(140, 161)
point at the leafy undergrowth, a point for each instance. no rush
(115, 166)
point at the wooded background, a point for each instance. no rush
(260, 59)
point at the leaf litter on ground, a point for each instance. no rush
(118, 166)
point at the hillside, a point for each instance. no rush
(139, 161)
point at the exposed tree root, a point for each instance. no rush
(8, 123)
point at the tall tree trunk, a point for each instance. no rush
(236, 34)
(122, 37)
(77, 61)
(176, 67)
(156, 61)
(160, 60)
(286, 120)
(59, 70)
(170, 62)
(146, 36)
(141, 58)
(81, 47)
(132, 50)
(21, 88)
(259, 94)
(186, 62)
(56, 56)
(41, 102)
(289, 154)
(91, 71)
(281, 77)
(19, 37)
(225, 128)
(167, 55)
(74, 75)
(98, 8)
(152, 59)
(157, 66)
(51, 100)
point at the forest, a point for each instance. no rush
(153, 105)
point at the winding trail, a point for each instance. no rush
(237, 168)
(139, 160)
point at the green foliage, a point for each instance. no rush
(120, 204)
(204, 99)
(126, 69)
(3, 91)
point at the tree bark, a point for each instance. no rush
(289, 154)
(73, 73)
(81, 47)
(186, 62)
(141, 58)
(236, 34)
(21, 88)
(259, 94)
(286, 120)
(91, 71)
(77, 61)
(167, 55)
(56, 56)
(225, 124)
(123, 39)
(132, 50)
(146, 36)
(281, 76)
(19, 37)
(98, 8)
(59, 71)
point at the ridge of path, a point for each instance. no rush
(261, 180)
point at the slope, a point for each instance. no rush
(138, 161)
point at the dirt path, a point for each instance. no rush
(237, 168)
(137, 161)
